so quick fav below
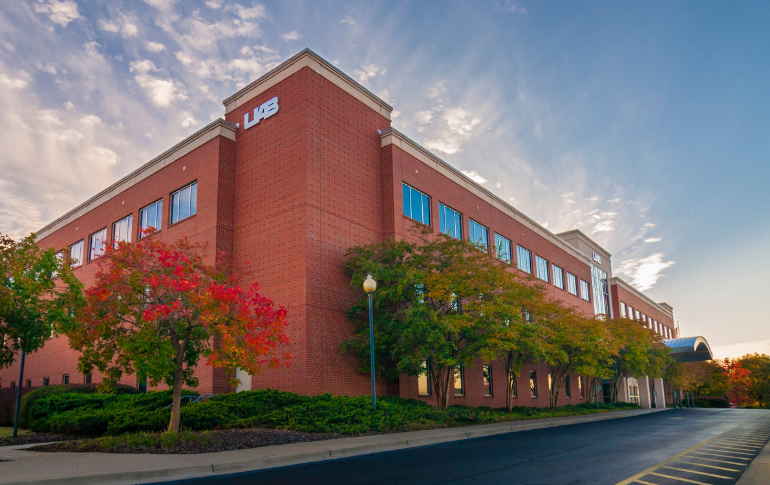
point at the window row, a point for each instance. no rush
(627, 311)
(65, 379)
(424, 382)
(417, 207)
(184, 203)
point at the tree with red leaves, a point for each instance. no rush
(737, 381)
(157, 309)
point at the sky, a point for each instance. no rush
(646, 125)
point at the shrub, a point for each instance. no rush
(47, 391)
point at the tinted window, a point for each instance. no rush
(416, 205)
(450, 222)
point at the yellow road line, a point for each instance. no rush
(710, 466)
(723, 456)
(740, 447)
(679, 479)
(727, 450)
(758, 444)
(718, 461)
(644, 483)
(699, 473)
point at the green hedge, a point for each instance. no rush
(28, 401)
(100, 414)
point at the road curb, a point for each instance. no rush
(344, 447)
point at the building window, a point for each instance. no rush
(65, 379)
(459, 381)
(580, 387)
(13, 384)
(524, 259)
(533, 383)
(633, 393)
(515, 386)
(542, 268)
(572, 283)
(623, 310)
(584, 291)
(96, 244)
(416, 205)
(87, 378)
(558, 276)
(149, 217)
(46, 381)
(503, 248)
(638, 314)
(550, 383)
(450, 222)
(419, 293)
(630, 312)
(121, 231)
(487, 369)
(76, 254)
(184, 202)
(567, 388)
(29, 382)
(423, 380)
(479, 235)
(601, 291)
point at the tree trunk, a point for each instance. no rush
(557, 379)
(440, 377)
(176, 403)
(511, 371)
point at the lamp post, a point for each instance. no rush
(369, 287)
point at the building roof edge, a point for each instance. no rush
(488, 194)
(627, 286)
(182, 148)
(582, 234)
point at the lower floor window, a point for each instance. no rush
(29, 382)
(423, 380)
(633, 393)
(580, 386)
(459, 381)
(533, 383)
(487, 380)
(87, 378)
(65, 379)
(567, 389)
(46, 381)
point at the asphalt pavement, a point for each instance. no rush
(678, 447)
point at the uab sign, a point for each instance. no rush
(266, 110)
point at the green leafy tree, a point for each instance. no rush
(759, 378)
(38, 296)
(156, 309)
(436, 300)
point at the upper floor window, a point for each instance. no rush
(479, 235)
(542, 268)
(584, 291)
(150, 216)
(450, 222)
(503, 248)
(623, 310)
(638, 314)
(558, 276)
(572, 283)
(121, 231)
(416, 205)
(96, 244)
(524, 259)
(183, 202)
(76, 254)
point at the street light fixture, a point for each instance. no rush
(369, 287)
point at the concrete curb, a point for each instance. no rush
(179, 467)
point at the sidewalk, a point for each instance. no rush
(26, 467)
(758, 473)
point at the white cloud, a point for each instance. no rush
(203, 36)
(68, 105)
(161, 91)
(644, 272)
(437, 89)
(459, 126)
(475, 176)
(129, 29)
(347, 20)
(7, 46)
(395, 114)
(108, 26)
(614, 201)
(294, 35)
(568, 194)
(154, 46)
(256, 11)
(510, 6)
(215, 4)
(188, 120)
(593, 199)
(90, 120)
(60, 12)
(653, 239)
(11, 83)
(102, 156)
(367, 71)
(92, 52)
(649, 224)
(385, 96)
(161, 4)
(424, 117)
(499, 185)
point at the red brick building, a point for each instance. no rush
(305, 165)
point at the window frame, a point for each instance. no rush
(190, 202)
(571, 278)
(77, 262)
(457, 221)
(459, 375)
(46, 381)
(91, 255)
(520, 252)
(129, 232)
(158, 218)
(542, 263)
(585, 288)
(423, 199)
(623, 310)
(533, 384)
(485, 235)
(486, 379)
(65, 379)
(426, 364)
(502, 239)
(29, 383)
(560, 272)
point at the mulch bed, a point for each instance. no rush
(221, 440)
(30, 438)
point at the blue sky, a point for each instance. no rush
(644, 124)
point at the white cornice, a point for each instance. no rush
(308, 58)
(394, 137)
(219, 127)
(590, 242)
(626, 286)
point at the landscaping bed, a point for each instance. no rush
(26, 438)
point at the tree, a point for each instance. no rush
(758, 366)
(640, 352)
(38, 295)
(737, 381)
(436, 300)
(156, 309)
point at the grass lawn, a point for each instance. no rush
(8, 431)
